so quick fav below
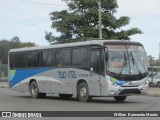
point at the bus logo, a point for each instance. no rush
(65, 74)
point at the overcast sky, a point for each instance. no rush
(29, 21)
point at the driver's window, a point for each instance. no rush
(95, 60)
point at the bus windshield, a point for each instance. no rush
(126, 60)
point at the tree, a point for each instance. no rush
(81, 21)
(6, 45)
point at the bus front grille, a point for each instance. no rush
(130, 91)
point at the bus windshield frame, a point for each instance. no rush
(127, 62)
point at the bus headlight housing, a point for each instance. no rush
(112, 83)
(146, 83)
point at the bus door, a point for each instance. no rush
(96, 70)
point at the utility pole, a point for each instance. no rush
(151, 64)
(152, 68)
(100, 18)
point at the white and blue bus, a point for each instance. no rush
(94, 68)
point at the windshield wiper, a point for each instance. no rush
(124, 64)
(134, 62)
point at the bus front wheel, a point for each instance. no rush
(83, 92)
(120, 98)
(34, 91)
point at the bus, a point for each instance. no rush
(94, 68)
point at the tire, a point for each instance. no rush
(65, 95)
(34, 91)
(83, 92)
(120, 98)
(158, 84)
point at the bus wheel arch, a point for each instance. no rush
(34, 89)
(83, 91)
(32, 81)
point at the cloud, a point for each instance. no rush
(139, 7)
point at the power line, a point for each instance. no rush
(41, 3)
(28, 25)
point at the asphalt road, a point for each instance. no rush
(15, 101)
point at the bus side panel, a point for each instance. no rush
(19, 79)
(104, 87)
(64, 80)
(90, 78)
(58, 80)
(94, 84)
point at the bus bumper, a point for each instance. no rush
(126, 91)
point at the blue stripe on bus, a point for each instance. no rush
(21, 74)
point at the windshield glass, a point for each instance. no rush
(126, 59)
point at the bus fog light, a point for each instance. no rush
(145, 83)
(112, 83)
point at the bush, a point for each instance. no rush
(3, 70)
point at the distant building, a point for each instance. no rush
(153, 62)
(156, 69)
(154, 65)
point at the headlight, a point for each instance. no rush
(146, 83)
(112, 83)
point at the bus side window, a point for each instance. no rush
(80, 57)
(63, 57)
(12, 60)
(95, 61)
(32, 60)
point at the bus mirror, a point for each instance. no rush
(91, 69)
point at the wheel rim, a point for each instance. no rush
(83, 92)
(34, 90)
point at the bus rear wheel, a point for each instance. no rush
(34, 91)
(83, 92)
(120, 98)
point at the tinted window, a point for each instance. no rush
(63, 57)
(44, 59)
(80, 57)
(20, 60)
(11, 60)
(95, 60)
(33, 59)
(51, 58)
(48, 58)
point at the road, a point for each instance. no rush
(16, 101)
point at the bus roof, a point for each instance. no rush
(75, 44)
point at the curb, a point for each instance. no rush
(153, 95)
(2, 86)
